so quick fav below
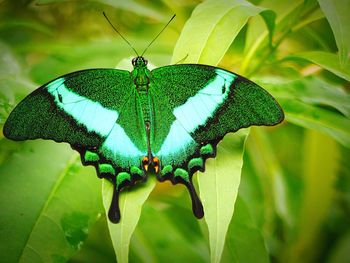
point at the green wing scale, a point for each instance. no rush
(126, 124)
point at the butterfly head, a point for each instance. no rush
(139, 62)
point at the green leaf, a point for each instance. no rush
(267, 164)
(9, 65)
(269, 17)
(48, 202)
(337, 13)
(159, 238)
(213, 26)
(311, 90)
(321, 166)
(98, 246)
(314, 16)
(14, 86)
(130, 203)
(259, 29)
(219, 187)
(244, 242)
(319, 119)
(257, 49)
(141, 247)
(325, 60)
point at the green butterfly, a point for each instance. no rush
(126, 124)
(168, 120)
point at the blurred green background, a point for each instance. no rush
(293, 200)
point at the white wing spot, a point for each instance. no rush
(199, 108)
(86, 112)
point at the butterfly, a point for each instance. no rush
(126, 124)
(167, 121)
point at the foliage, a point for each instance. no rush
(293, 200)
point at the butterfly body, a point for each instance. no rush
(126, 124)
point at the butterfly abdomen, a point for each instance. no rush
(145, 106)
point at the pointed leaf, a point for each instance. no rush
(257, 41)
(130, 203)
(314, 16)
(319, 119)
(213, 26)
(219, 187)
(337, 13)
(244, 242)
(267, 164)
(311, 90)
(162, 238)
(321, 166)
(325, 60)
(14, 86)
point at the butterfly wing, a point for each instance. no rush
(96, 111)
(195, 106)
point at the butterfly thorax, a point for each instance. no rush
(141, 74)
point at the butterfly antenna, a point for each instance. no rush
(158, 35)
(104, 14)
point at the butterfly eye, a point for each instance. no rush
(133, 61)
